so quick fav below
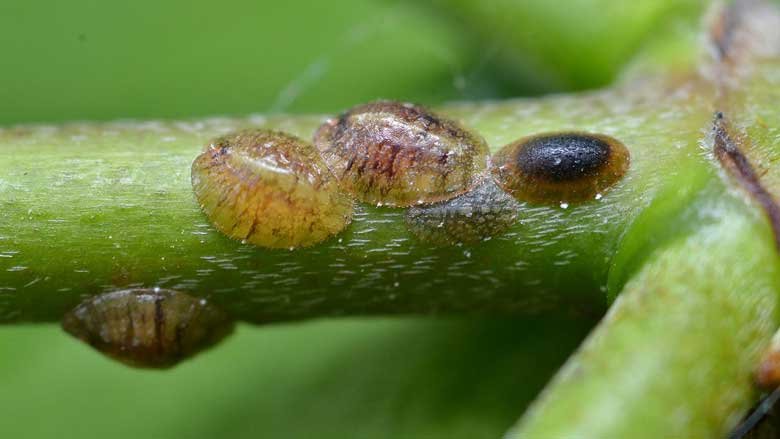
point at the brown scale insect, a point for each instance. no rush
(561, 167)
(397, 154)
(480, 214)
(149, 328)
(270, 189)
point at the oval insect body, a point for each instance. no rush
(270, 189)
(558, 168)
(396, 154)
(151, 328)
(482, 213)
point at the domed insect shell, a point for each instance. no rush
(270, 189)
(150, 328)
(397, 154)
(563, 167)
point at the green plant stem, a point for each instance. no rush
(674, 356)
(87, 208)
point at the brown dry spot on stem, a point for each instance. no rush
(762, 420)
(150, 328)
(727, 149)
(270, 189)
(768, 372)
(552, 168)
(397, 154)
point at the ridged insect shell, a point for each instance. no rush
(399, 154)
(149, 328)
(270, 189)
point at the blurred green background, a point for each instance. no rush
(98, 60)
(91, 59)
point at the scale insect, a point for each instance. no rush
(270, 189)
(480, 214)
(399, 154)
(148, 328)
(562, 167)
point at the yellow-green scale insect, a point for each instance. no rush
(399, 154)
(270, 189)
(565, 167)
(150, 328)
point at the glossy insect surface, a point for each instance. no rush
(397, 154)
(564, 167)
(150, 328)
(270, 189)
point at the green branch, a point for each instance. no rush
(90, 208)
(675, 355)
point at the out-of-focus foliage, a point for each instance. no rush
(85, 59)
(363, 379)
(544, 45)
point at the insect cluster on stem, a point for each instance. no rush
(278, 191)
